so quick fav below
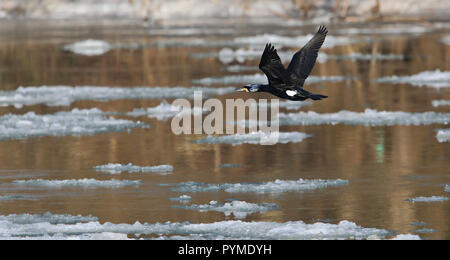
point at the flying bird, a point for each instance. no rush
(288, 83)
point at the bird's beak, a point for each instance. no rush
(242, 89)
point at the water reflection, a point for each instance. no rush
(377, 161)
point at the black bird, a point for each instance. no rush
(288, 83)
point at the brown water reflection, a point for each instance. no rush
(385, 165)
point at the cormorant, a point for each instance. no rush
(288, 83)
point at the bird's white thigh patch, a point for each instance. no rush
(291, 93)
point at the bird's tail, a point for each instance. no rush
(316, 96)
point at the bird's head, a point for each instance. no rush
(250, 88)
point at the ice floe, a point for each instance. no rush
(83, 183)
(277, 186)
(182, 198)
(438, 103)
(240, 209)
(446, 39)
(447, 188)
(427, 199)
(255, 138)
(424, 230)
(89, 47)
(398, 29)
(228, 55)
(47, 218)
(116, 168)
(240, 68)
(165, 111)
(369, 117)
(406, 237)
(259, 78)
(65, 95)
(75, 122)
(230, 165)
(443, 135)
(50, 226)
(435, 79)
(15, 197)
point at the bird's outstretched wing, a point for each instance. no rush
(271, 65)
(303, 61)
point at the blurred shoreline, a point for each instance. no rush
(192, 12)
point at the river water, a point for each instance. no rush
(384, 161)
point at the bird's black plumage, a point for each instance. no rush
(288, 83)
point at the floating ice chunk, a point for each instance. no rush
(83, 183)
(89, 47)
(435, 79)
(80, 228)
(428, 199)
(424, 230)
(369, 117)
(438, 103)
(420, 223)
(330, 42)
(277, 186)
(259, 78)
(443, 135)
(75, 122)
(65, 95)
(255, 138)
(447, 188)
(116, 168)
(16, 197)
(446, 39)
(406, 237)
(191, 31)
(165, 111)
(398, 29)
(240, 209)
(227, 55)
(46, 217)
(182, 198)
(230, 165)
(240, 68)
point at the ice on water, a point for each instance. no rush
(447, 188)
(182, 198)
(49, 226)
(82, 183)
(46, 217)
(443, 135)
(428, 199)
(239, 209)
(435, 79)
(89, 47)
(116, 168)
(277, 186)
(438, 103)
(446, 39)
(75, 122)
(259, 78)
(369, 117)
(255, 138)
(165, 111)
(65, 95)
